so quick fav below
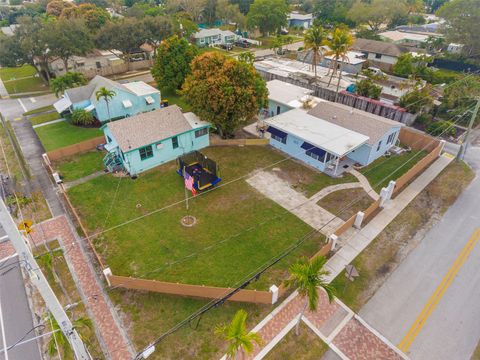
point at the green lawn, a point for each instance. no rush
(80, 165)
(346, 203)
(17, 72)
(43, 118)
(174, 98)
(227, 219)
(39, 110)
(62, 134)
(381, 171)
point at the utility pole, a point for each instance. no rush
(38, 279)
(463, 148)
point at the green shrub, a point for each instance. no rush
(424, 119)
(82, 117)
(368, 88)
(445, 128)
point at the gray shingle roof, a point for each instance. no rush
(379, 47)
(148, 128)
(87, 92)
(365, 123)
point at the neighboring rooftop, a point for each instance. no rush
(396, 35)
(426, 29)
(285, 93)
(150, 127)
(212, 32)
(378, 47)
(370, 125)
(140, 88)
(351, 57)
(335, 139)
(295, 15)
(87, 92)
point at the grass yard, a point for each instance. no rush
(63, 134)
(381, 171)
(174, 98)
(17, 72)
(306, 346)
(79, 165)
(43, 118)
(39, 110)
(339, 203)
(63, 285)
(394, 243)
(308, 180)
(227, 220)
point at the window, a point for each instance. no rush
(391, 138)
(278, 110)
(379, 144)
(175, 142)
(123, 155)
(201, 132)
(109, 140)
(378, 56)
(328, 157)
(314, 156)
(146, 152)
(281, 139)
(98, 64)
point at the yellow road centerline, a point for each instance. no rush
(438, 293)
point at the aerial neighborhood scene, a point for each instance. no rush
(239, 179)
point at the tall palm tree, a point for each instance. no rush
(307, 276)
(339, 43)
(313, 41)
(59, 342)
(240, 341)
(107, 95)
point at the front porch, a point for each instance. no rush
(337, 166)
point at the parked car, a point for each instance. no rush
(242, 43)
(226, 46)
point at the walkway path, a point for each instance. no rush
(331, 189)
(84, 179)
(48, 123)
(351, 337)
(97, 302)
(3, 90)
(282, 193)
(365, 183)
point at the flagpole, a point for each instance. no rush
(185, 187)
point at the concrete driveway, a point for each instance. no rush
(14, 108)
(430, 303)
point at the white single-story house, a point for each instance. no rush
(332, 137)
(379, 53)
(352, 63)
(405, 38)
(210, 37)
(296, 19)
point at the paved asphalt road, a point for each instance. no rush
(16, 313)
(452, 329)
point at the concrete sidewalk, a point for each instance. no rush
(360, 239)
(3, 91)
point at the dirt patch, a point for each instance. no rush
(346, 203)
(378, 261)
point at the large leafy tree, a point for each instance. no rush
(67, 81)
(417, 100)
(239, 340)
(194, 8)
(307, 277)
(377, 12)
(228, 12)
(56, 7)
(224, 91)
(156, 29)
(172, 64)
(126, 35)
(94, 17)
(332, 11)
(462, 19)
(67, 38)
(243, 5)
(268, 15)
(11, 53)
(314, 39)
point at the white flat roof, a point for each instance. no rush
(332, 138)
(140, 88)
(297, 16)
(396, 35)
(285, 93)
(353, 57)
(194, 120)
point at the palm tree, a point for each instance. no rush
(307, 276)
(339, 43)
(240, 341)
(59, 342)
(107, 95)
(313, 41)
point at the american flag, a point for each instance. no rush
(189, 183)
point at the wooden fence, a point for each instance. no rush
(417, 140)
(80, 147)
(116, 69)
(358, 102)
(214, 141)
(210, 292)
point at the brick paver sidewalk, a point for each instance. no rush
(95, 300)
(346, 334)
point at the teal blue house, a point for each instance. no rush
(141, 142)
(130, 99)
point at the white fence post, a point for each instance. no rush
(274, 290)
(333, 239)
(358, 220)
